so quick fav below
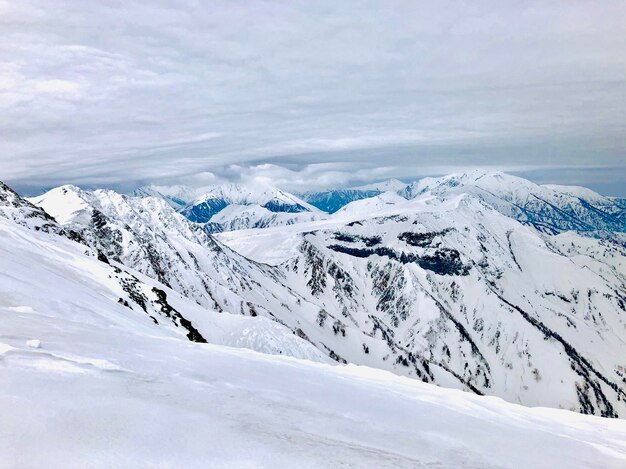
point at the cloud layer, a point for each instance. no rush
(116, 92)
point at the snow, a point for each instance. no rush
(44, 276)
(98, 370)
(542, 275)
(64, 203)
(549, 208)
(119, 396)
(374, 309)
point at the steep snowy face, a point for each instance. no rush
(551, 209)
(219, 197)
(457, 294)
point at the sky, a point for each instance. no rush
(310, 94)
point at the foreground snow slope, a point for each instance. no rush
(110, 396)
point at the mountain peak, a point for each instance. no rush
(220, 196)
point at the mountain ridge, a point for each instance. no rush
(393, 287)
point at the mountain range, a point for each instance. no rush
(473, 281)
(481, 282)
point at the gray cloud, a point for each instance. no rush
(309, 93)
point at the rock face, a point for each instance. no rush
(443, 284)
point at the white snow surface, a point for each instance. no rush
(109, 388)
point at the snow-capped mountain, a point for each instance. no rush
(47, 274)
(19, 210)
(549, 208)
(146, 234)
(464, 296)
(221, 196)
(242, 217)
(105, 367)
(332, 200)
(444, 289)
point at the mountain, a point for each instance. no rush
(221, 196)
(147, 235)
(332, 200)
(460, 295)
(88, 381)
(444, 289)
(47, 274)
(552, 209)
(242, 217)
(177, 196)
(105, 367)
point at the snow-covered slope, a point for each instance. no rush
(548, 208)
(242, 217)
(22, 212)
(147, 235)
(364, 208)
(89, 381)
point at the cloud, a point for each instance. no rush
(119, 93)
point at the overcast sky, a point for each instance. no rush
(310, 94)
